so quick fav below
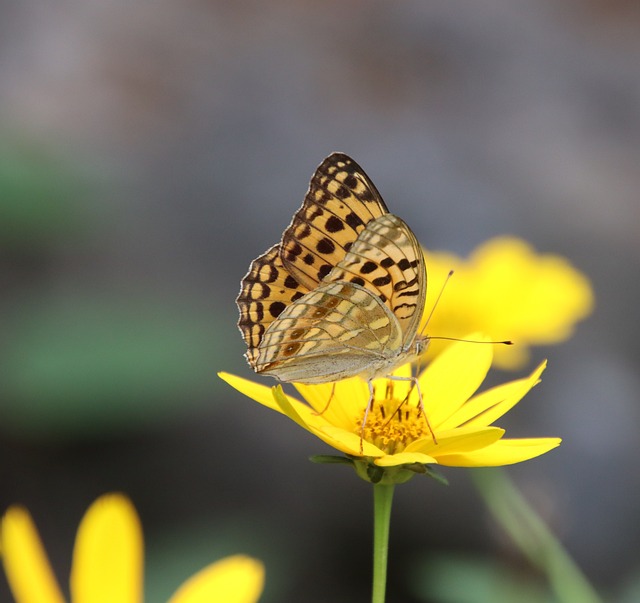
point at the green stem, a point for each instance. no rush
(533, 537)
(382, 499)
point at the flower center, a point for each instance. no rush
(392, 423)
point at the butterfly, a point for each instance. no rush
(343, 292)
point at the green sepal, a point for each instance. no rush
(330, 459)
(429, 471)
(374, 474)
(387, 476)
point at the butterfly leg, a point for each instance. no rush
(421, 410)
(333, 391)
(366, 413)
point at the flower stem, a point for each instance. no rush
(382, 498)
(533, 537)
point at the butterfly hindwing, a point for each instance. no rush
(387, 260)
(338, 330)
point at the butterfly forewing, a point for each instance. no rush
(337, 330)
(266, 290)
(341, 200)
(387, 260)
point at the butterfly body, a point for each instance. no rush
(343, 292)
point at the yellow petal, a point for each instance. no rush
(255, 391)
(301, 414)
(463, 439)
(318, 396)
(236, 579)
(487, 407)
(108, 553)
(452, 378)
(25, 561)
(347, 442)
(542, 294)
(405, 458)
(336, 437)
(503, 452)
(349, 399)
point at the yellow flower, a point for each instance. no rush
(396, 434)
(108, 562)
(507, 290)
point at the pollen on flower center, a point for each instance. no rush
(392, 424)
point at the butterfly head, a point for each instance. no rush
(420, 344)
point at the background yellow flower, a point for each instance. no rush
(108, 562)
(508, 291)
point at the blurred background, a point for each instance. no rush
(150, 150)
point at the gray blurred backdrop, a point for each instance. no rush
(150, 150)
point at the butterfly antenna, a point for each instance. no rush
(433, 309)
(503, 342)
(419, 361)
(449, 275)
(435, 304)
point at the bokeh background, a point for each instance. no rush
(150, 150)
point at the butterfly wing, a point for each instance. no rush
(387, 260)
(338, 330)
(266, 290)
(341, 200)
(366, 276)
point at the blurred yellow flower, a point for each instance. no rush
(396, 434)
(108, 562)
(508, 291)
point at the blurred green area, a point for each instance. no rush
(466, 579)
(81, 366)
(42, 198)
(630, 591)
(456, 578)
(538, 570)
(174, 556)
(80, 357)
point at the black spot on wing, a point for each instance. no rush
(334, 224)
(326, 246)
(276, 308)
(368, 267)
